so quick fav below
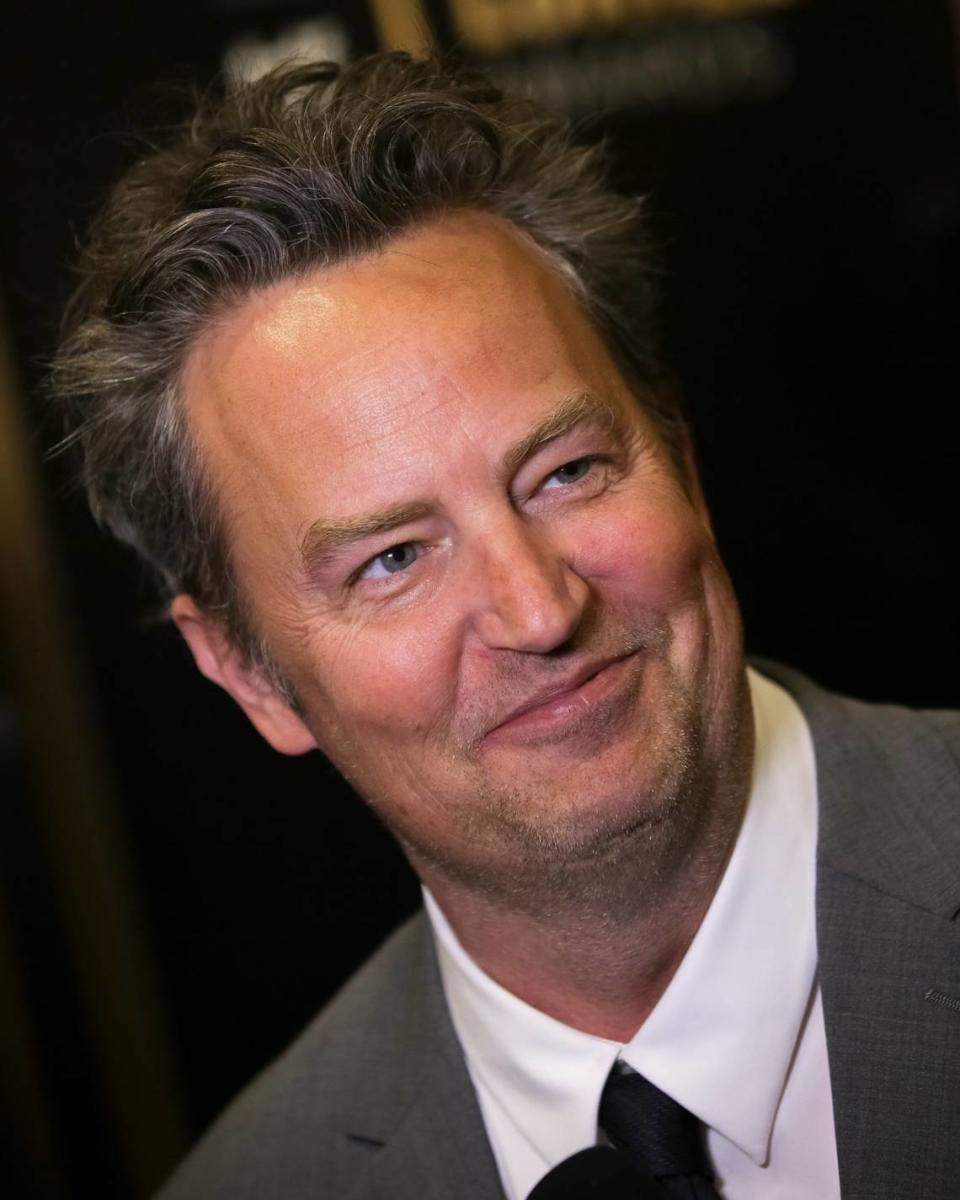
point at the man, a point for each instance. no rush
(363, 365)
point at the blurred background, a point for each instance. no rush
(175, 900)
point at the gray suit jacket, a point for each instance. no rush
(374, 1100)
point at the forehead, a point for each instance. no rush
(452, 335)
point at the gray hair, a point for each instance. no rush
(308, 166)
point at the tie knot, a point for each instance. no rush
(647, 1124)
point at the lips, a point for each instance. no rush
(559, 704)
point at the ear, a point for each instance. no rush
(221, 662)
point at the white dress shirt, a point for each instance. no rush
(737, 1037)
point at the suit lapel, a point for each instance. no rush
(439, 1150)
(888, 891)
(421, 1128)
(893, 1047)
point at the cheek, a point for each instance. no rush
(654, 556)
(392, 683)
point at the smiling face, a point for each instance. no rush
(470, 554)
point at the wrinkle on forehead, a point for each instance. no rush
(414, 330)
(273, 325)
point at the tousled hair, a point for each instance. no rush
(308, 166)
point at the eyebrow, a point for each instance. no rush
(327, 535)
(576, 410)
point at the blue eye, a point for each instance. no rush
(391, 561)
(571, 472)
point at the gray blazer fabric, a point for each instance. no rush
(374, 1100)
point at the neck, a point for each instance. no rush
(602, 961)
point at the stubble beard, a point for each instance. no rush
(549, 852)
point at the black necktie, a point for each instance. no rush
(658, 1134)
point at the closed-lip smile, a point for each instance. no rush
(558, 704)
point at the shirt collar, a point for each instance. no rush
(722, 1036)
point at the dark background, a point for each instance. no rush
(807, 213)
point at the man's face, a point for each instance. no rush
(468, 551)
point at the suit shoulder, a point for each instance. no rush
(947, 723)
(921, 742)
(895, 730)
(284, 1135)
(888, 786)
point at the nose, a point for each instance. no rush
(526, 595)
